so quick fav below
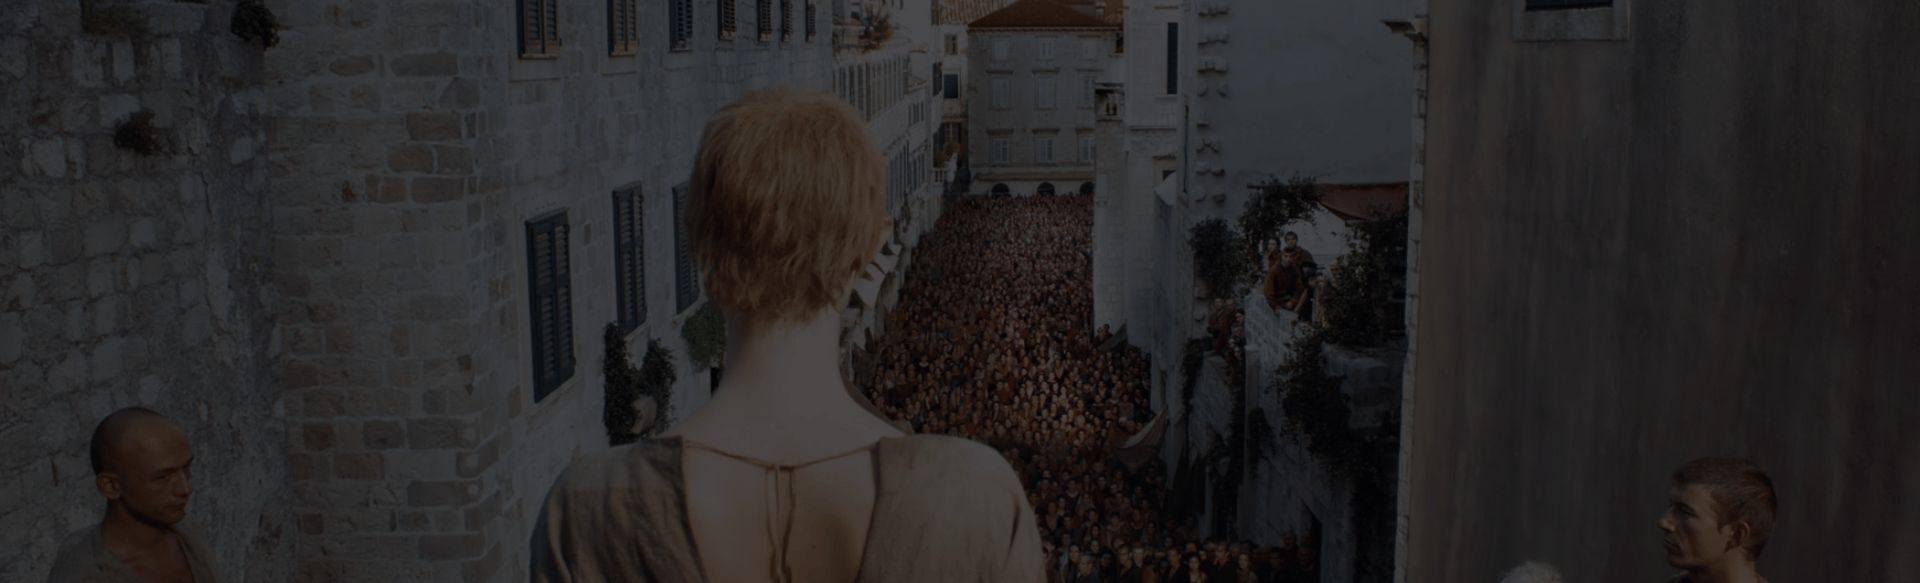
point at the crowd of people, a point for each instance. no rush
(995, 346)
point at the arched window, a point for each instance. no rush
(1086, 188)
(1002, 190)
(1046, 189)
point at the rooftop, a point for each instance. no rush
(1040, 14)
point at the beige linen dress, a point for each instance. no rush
(946, 510)
(84, 558)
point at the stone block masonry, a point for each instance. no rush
(136, 280)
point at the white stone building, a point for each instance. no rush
(1030, 99)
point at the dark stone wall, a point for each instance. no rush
(132, 279)
(1698, 241)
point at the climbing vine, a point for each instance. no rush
(627, 385)
(1220, 258)
(1363, 298)
(1272, 206)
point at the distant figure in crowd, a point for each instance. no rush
(1718, 521)
(142, 465)
(1287, 274)
(783, 476)
(1533, 572)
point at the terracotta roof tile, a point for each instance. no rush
(1039, 14)
(965, 11)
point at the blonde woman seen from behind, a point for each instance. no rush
(783, 476)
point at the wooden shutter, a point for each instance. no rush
(550, 302)
(687, 288)
(630, 258)
(727, 24)
(680, 17)
(812, 18)
(786, 21)
(539, 28)
(763, 12)
(623, 27)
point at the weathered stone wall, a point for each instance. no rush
(128, 279)
(416, 144)
(1286, 487)
(1699, 241)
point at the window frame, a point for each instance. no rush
(1086, 148)
(545, 18)
(680, 25)
(1000, 48)
(1173, 58)
(1610, 22)
(1045, 92)
(729, 19)
(786, 21)
(763, 19)
(630, 258)
(1089, 48)
(1087, 94)
(1043, 149)
(813, 19)
(686, 277)
(1000, 92)
(950, 85)
(1044, 48)
(1000, 149)
(551, 362)
(623, 19)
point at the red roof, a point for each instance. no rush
(1359, 202)
(1039, 14)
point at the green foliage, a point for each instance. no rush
(1192, 357)
(1273, 205)
(1220, 258)
(627, 385)
(138, 135)
(110, 20)
(706, 335)
(253, 21)
(1316, 409)
(876, 30)
(1362, 304)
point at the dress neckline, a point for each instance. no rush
(678, 445)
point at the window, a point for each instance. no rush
(1086, 90)
(953, 44)
(1002, 90)
(1086, 148)
(623, 27)
(1554, 4)
(1173, 58)
(1046, 49)
(1043, 92)
(727, 24)
(1045, 189)
(680, 15)
(1000, 49)
(1571, 20)
(952, 83)
(539, 28)
(1089, 48)
(786, 21)
(1043, 149)
(763, 15)
(812, 18)
(549, 302)
(686, 280)
(1002, 150)
(629, 258)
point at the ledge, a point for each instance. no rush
(1604, 23)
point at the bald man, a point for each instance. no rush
(142, 465)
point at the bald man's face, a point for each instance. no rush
(149, 471)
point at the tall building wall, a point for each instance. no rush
(415, 144)
(133, 279)
(1696, 240)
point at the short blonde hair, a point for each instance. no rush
(787, 203)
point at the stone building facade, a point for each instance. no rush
(395, 238)
(137, 278)
(1656, 231)
(1030, 97)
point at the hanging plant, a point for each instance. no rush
(1220, 258)
(876, 28)
(253, 21)
(706, 335)
(627, 386)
